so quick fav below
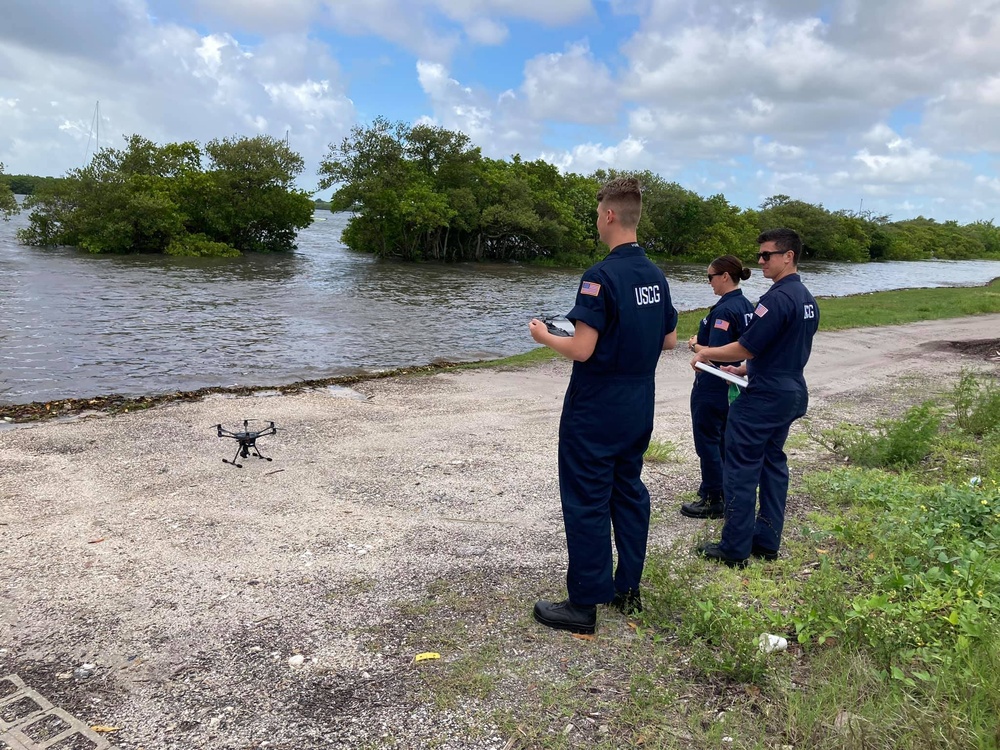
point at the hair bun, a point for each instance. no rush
(745, 274)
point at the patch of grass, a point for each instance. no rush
(468, 676)
(538, 354)
(660, 451)
(707, 610)
(798, 440)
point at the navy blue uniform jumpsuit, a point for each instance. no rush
(724, 324)
(607, 420)
(780, 337)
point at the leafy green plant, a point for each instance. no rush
(896, 443)
(977, 404)
(199, 245)
(936, 586)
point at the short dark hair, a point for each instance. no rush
(624, 195)
(732, 266)
(784, 239)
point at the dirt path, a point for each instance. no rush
(126, 543)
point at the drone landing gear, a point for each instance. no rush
(244, 452)
(247, 440)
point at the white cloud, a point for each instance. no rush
(990, 183)
(550, 12)
(311, 100)
(966, 116)
(486, 31)
(169, 83)
(773, 151)
(432, 29)
(629, 154)
(901, 162)
(494, 124)
(570, 86)
(259, 15)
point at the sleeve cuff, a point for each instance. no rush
(748, 346)
(588, 316)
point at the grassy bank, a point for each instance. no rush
(889, 308)
(856, 311)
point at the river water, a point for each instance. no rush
(73, 325)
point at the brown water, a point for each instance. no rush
(77, 325)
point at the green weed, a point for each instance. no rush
(660, 451)
(894, 443)
(977, 405)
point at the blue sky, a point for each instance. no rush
(891, 104)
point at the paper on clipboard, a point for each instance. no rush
(740, 381)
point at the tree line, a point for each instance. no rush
(23, 184)
(423, 193)
(426, 193)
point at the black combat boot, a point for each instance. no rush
(712, 507)
(565, 615)
(711, 551)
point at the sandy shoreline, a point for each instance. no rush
(125, 542)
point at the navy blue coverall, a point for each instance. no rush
(607, 420)
(724, 324)
(779, 337)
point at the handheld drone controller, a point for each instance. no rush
(247, 440)
(553, 328)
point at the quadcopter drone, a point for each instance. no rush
(247, 440)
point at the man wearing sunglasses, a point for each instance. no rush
(776, 347)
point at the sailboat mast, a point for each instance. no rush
(95, 129)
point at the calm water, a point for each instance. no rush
(75, 325)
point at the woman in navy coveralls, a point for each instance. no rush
(725, 323)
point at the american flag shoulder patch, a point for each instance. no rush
(591, 288)
(761, 311)
(723, 324)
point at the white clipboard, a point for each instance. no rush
(740, 381)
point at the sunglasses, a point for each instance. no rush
(713, 275)
(765, 255)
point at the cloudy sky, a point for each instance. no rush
(889, 105)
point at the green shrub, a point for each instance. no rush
(977, 405)
(193, 245)
(896, 443)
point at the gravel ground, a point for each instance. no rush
(282, 604)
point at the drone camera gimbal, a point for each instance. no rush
(247, 440)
